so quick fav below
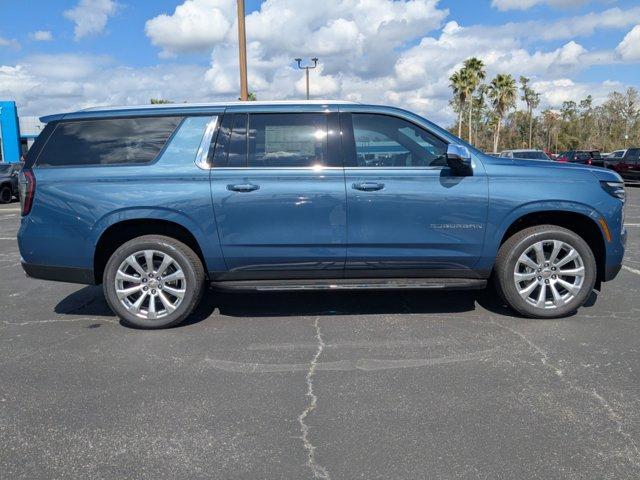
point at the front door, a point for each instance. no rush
(278, 193)
(408, 213)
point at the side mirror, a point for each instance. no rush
(459, 159)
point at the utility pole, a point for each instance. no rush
(306, 69)
(242, 50)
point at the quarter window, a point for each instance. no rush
(386, 141)
(107, 141)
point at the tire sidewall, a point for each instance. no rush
(3, 191)
(510, 291)
(186, 306)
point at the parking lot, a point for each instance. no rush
(318, 385)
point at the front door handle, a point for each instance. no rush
(368, 186)
(243, 187)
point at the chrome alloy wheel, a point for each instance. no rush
(150, 284)
(549, 274)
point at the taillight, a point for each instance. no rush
(561, 158)
(589, 162)
(27, 188)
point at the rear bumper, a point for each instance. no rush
(59, 274)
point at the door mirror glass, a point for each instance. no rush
(459, 159)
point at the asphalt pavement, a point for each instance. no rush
(340, 385)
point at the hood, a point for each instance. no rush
(600, 173)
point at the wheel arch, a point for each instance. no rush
(120, 232)
(582, 223)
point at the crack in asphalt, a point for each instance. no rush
(612, 415)
(318, 470)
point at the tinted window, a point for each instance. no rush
(535, 155)
(633, 154)
(385, 141)
(222, 142)
(38, 144)
(287, 140)
(108, 141)
(238, 142)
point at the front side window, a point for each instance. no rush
(107, 141)
(386, 141)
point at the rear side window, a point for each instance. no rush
(38, 144)
(287, 140)
(107, 141)
(633, 155)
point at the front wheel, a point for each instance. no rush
(545, 271)
(153, 281)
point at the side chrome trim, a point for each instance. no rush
(205, 144)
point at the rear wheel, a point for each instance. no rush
(6, 194)
(153, 281)
(545, 271)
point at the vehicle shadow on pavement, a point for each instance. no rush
(89, 301)
(352, 303)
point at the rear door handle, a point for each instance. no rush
(368, 186)
(243, 187)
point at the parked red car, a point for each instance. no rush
(628, 165)
(587, 157)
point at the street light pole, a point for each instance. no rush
(306, 69)
(242, 50)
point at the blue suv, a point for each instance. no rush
(155, 202)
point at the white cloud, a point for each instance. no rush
(48, 84)
(563, 28)
(629, 47)
(90, 16)
(41, 36)
(527, 4)
(6, 42)
(195, 25)
(554, 92)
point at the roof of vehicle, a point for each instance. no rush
(183, 108)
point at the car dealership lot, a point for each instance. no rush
(335, 384)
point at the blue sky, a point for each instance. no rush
(66, 54)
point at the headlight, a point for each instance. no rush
(615, 189)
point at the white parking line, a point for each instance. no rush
(632, 270)
(632, 224)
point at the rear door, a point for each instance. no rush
(278, 193)
(408, 213)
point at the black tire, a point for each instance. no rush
(184, 256)
(6, 194)
(515, 246)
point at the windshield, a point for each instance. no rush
(533, 154)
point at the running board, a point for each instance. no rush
(355, 284)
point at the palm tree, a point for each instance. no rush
(475, 74)
(532, 99)
(459, 83)
(502, 92)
